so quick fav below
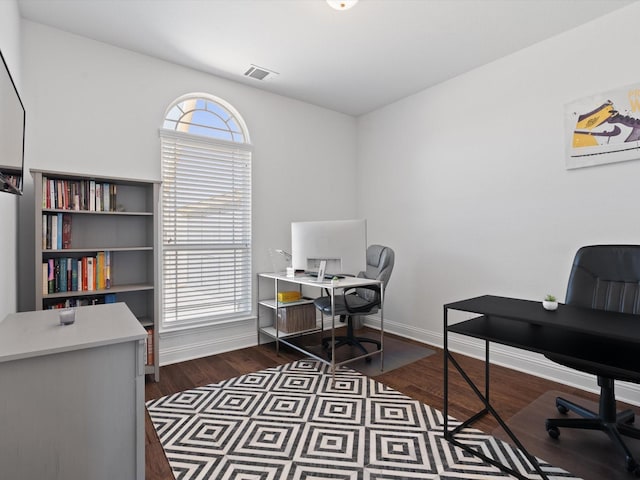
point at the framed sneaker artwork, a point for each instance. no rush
(603, 128)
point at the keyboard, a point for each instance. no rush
(327, 276)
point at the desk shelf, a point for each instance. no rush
(556, 340)
(271, 331)
(274, 304)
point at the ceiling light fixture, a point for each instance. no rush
(342, 4)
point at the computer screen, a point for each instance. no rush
(342, 243)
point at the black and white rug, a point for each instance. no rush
(296, 422)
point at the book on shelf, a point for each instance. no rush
(92, 195)
(61, 275)
(56, 275)
(51, 193)
(113, 190)
(59, 193)
(66, 230)
(75, 268)
(70, 263)
(51, 275)
(100, 266)
(90, 277)
(98, 197)
(149, 350)
(75, 196)
(45, 278)
(106, 197)
(83, 274)
(58, 232)
(54, 232)
(107, 269)
(45, 230)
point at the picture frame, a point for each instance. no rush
(603, 128)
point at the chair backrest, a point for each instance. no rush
(380, 262)
(606, 277)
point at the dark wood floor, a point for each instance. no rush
(422, 380)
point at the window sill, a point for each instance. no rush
(207, 324)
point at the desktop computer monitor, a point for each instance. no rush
(341, 243)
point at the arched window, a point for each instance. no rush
(206, 212)
(204, 116)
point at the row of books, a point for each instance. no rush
(87, 195)
(83, 301)
(67, 274)
(56, 231)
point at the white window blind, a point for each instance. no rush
(206, 229)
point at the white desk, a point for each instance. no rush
(72, 396)
(281, 282)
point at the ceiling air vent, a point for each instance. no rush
(259, 73)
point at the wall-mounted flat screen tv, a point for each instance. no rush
(12, 124)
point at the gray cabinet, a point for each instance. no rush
(72, 396)
(96, 242)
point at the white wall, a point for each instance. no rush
(10, 46)
(96, 109)
(476, 198)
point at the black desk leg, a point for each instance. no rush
(487, 371)
(450, 435)
(445, 410)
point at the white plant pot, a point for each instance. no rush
(549, 305)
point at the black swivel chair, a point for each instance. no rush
(603, 277)
(360, 301)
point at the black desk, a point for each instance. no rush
(596, 336)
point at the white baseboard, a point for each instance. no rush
(188, 344)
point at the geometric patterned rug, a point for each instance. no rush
(295, 422)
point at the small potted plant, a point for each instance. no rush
(550, 302)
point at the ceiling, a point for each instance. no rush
(352, 61)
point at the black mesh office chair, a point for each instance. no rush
(360, 301)
(604, 277)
